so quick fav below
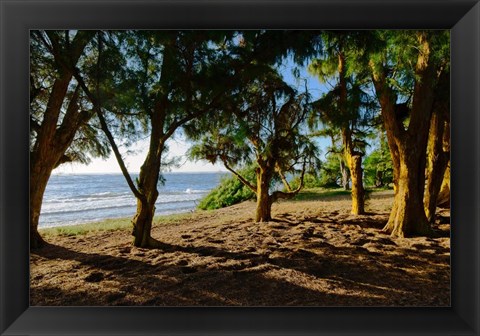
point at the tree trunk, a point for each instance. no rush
(53, 140)
(443, 200)
(354, 161)
(358, 192)
(43, 160)
(150, 170)
(39, 176)
(408, 146)
(147, 186)
(407, 217)
(379, 179)
(438, 149)
(142, 223)
(264, 204)
(346, 135)
(437, 164)
(43, 157)
(345, 175)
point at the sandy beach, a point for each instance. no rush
(314, 253)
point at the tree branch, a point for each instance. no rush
(63, 159)
(287, 195)
(241, 178)
(176, 124)
(284, 180)
(109, 136)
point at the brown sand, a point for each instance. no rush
(314, 253)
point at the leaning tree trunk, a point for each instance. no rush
(146, 193)
(45, 154)
(150, 170)
(40, 171)
(49, 149)
(43, 160)
(264, 204)
(53, 140)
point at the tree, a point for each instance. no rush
(170, 82)
(261, 123)
(175, 77)
(408, 64)
(59, 112)
(346, 105)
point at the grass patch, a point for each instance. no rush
(112, 224)
(322, 194)
(82, 229)
(318, 194)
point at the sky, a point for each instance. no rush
(179, 145)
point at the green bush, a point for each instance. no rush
(328, 176)
(309, 181)
(230, 191)
(378, 166)
(324, 180)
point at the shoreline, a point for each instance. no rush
(109, 224)
(122, 221)
(88, 198)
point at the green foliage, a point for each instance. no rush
(329, 176)
(396, 53)
(230, 191)
(348, 108)
(309, 181)
(50, 51)
(378, 166)
(260, 118)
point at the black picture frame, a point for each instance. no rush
(19, 16)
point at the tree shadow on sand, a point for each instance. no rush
(298, 270)
(141, 283)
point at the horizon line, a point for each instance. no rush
(136, 172)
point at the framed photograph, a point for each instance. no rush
(29, 310)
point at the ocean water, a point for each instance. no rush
(71, 199)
